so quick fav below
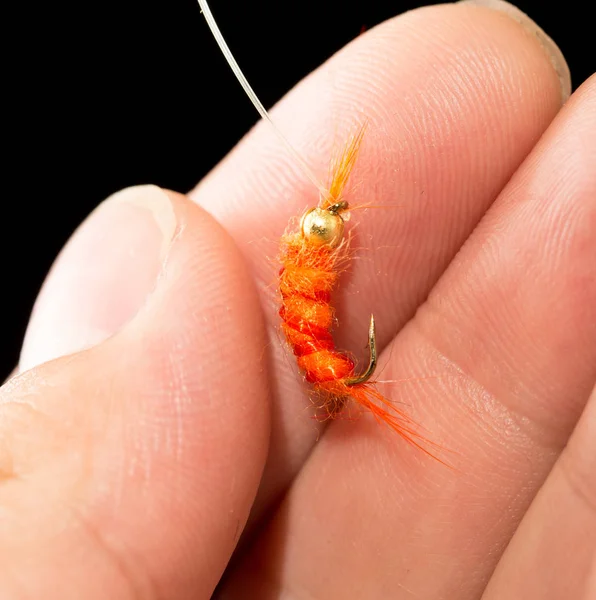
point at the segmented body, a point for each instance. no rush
(307, 279)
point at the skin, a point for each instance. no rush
(157, 440)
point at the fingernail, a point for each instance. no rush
(103, 275)
(150, 208)
(552, 50)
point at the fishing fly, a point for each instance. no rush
(312, 256)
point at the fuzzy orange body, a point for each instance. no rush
(307, 279)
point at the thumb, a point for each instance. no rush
(128, 469)
(102, 275)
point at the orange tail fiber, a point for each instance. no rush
(312, 258)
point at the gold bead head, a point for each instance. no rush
(322, 227)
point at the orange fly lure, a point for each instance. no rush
(312, 258)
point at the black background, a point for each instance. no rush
(107, 94)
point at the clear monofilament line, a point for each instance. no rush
(253, 96)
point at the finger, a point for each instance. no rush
(510, 329)
(141, 456)
(96, 286)
(553, 553)
(455, 96)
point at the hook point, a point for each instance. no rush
(372, 363)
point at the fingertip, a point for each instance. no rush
(102, 276)
(549, 46)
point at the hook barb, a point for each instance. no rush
(372, 363)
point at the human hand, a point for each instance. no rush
(129, 464)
